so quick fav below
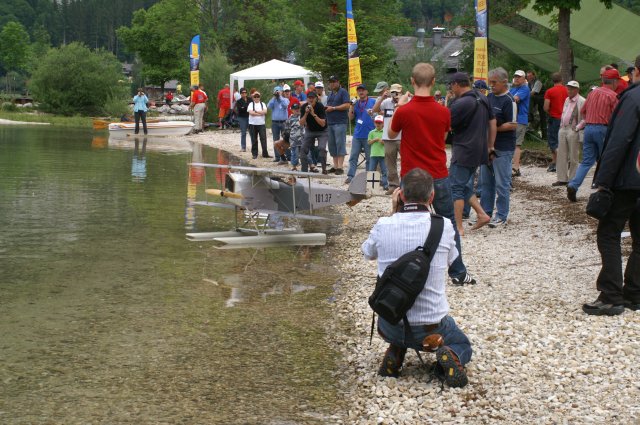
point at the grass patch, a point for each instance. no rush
(57, 120)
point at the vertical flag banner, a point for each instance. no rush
(355, 77)
(194, 60)
(480, 52)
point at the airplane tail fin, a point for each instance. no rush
(358, 188)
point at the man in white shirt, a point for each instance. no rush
(569, 137)
(390, 238)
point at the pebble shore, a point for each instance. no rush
(538, 359)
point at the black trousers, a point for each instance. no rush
(254, 132)
(625, 208)
(140, 115)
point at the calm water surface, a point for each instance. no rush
(108, 315)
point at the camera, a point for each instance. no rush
(308, 108)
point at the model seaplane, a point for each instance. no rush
(265, 199)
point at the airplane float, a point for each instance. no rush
(267, 198)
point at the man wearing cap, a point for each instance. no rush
(521, 94)
(553, 102)
(286, 93)
(386, 105)
(322, 97)
(617, 174)
(424, 124)
(224, 104)
(569, 137)
(596, 111)
(473, 125)
(298, 86)
(360, 110)
(279, 106)
(198, 105)
(314, 119)
(337, 109)
(257, 125)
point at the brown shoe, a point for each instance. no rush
(454, 373)
(559, 184)
(392, 362)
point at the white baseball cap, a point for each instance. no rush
(319, 84)
(574, 83)
(519, 73)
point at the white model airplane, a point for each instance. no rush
(268, 198)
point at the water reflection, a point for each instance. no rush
(139, 162)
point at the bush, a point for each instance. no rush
(75, 80)
(8, 107)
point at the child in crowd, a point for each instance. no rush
(377, 150)
(292, 137)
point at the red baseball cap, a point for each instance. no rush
(611, 74)
(298, 83)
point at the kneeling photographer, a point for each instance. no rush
(431, 328)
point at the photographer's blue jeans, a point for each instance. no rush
(496, 179)
(591, 150)
(453, 337)
(244, 125)
(443, 204)
(358, 145)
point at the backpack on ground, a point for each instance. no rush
(403, 280)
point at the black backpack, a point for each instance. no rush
(402, 281)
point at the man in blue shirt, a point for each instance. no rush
(338, 105)
(140, 101)
(279, 106)
(496, 176)
(521, 94)
(360, 110)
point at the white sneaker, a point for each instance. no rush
(497, 222)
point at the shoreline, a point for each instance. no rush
(537, 357)
(11, 122)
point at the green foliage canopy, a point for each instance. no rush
(14, 47)
(75, 80)
(160, 36)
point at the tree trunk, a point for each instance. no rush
(564, 44)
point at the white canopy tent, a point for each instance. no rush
(271, 70)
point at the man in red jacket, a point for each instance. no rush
(224, 104)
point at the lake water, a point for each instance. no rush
(108, 315)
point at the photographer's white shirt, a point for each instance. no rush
(394, 236)
(257, 119)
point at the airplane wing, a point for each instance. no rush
(263, 171)
(288, 214)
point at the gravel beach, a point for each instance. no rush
(537, 357)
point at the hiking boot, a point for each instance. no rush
(392, 361)
(571, 194)
(552, 168)
(599, 308)
(339, 171)
(559, 184)
(454, 374)
(632, 306)
(347, 180)
(332, 170)
(463, 280)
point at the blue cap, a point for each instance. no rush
(277, 89)
(481, 85)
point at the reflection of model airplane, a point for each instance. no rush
(268, 198)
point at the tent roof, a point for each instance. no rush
(273, 69)
(613, 31)
(538, 53)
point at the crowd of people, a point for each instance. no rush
(403, 133)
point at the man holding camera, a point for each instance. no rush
(429, 318)
(616, 175)
(337, 108)
(140, 109)
(279, 106)
(386, 105)
(315, 121)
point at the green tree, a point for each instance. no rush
(75, 80)
(564, 8)
(14, 50)
(160, 37)
(329, 54)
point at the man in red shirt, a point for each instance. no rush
(553, 104)
(198, 104)
(224, 104)
(424, 124)
(596, 111)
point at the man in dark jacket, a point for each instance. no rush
(617, 172)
